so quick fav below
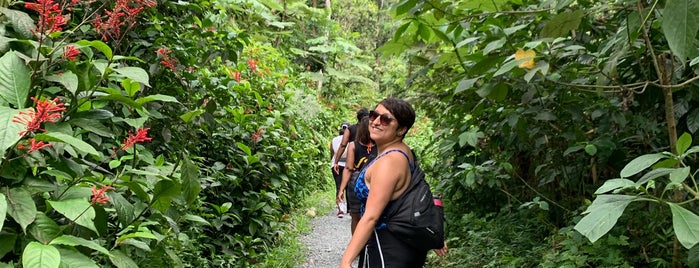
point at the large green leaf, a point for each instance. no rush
(615, 184)
(686, 225)
(44, 229)
(603, 215)
(124, 209)
(74, 259)
(68, 80)
(639, 164)
(562, 24)
(163, 193)
(21, 207)
(73, 141)
(191, 185)
(69, 240)
(9, 131)
(3, 210)
(680, 26)
(78, 210)
(135, 73)
(121, 260)
(37, 255)
(156, 97)
(14, 80)
(21, 22)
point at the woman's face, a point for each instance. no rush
(383, 126)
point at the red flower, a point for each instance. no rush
(45, 111)
(257, 136)
(168, 62)
(50, 18)
(236, 76)
(253, 65)
(141, 136)
(34, 145)
(125, 12)
(69, 52)
(98, 195)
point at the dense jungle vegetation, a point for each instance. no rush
(173, 133)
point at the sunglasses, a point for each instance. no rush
(384, 119)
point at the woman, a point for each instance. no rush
(359, 153)
(380, 183)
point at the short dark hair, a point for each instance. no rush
(401, 110)
(361, 113)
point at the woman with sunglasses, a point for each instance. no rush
(380, 183)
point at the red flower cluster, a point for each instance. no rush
(33, 145)
(253, 65)
(167, 61)
(69, 52)
(124, 13)
(51, 19)
(98, 195)
(257, 136)
(45, 111)
(141, 136)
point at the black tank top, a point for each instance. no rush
(353, 132)
(361, 156)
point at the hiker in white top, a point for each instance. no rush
(334, 146)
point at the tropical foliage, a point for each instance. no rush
(154, 133)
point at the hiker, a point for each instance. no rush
(341, 162)
(348, 136)
(359, 153)
(382, 181)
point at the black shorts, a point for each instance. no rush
(353, 202)
(385, 250)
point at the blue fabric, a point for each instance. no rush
(361, 190)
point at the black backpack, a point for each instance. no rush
(414, 218)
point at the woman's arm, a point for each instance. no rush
(347, 173)
(384, 175)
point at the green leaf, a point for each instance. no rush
(615, 184)
(44, 229)
(99, 45)
(465, 84)
(77, 210)
(121, 260)
(680, 24)
(484, 5)
(21, 22)
(603, 215)
(157, 97)
(136, 234)
(639, 164)
(9, 131)
(508, 66)
(404, 7)
(14, 80)
(71, 258)
(21, 207)
(195, 218)
(653, 174)
(470, 137)
(573, 149)
(693, 120)
(135, 73)
(68, 80)
(245, 148)
(191, 185)
(494, 45)
(591, 149)
(188, 116)
(72, 141)
(677, 176)
(72, 241)
(163, 193)
(683, 143)
(686, 225)
(124, 209)
(3, 210)
(37, 255)
(562, 24)
(131, 87)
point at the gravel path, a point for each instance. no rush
(327, 240)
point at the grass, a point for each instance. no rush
(290, 252)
